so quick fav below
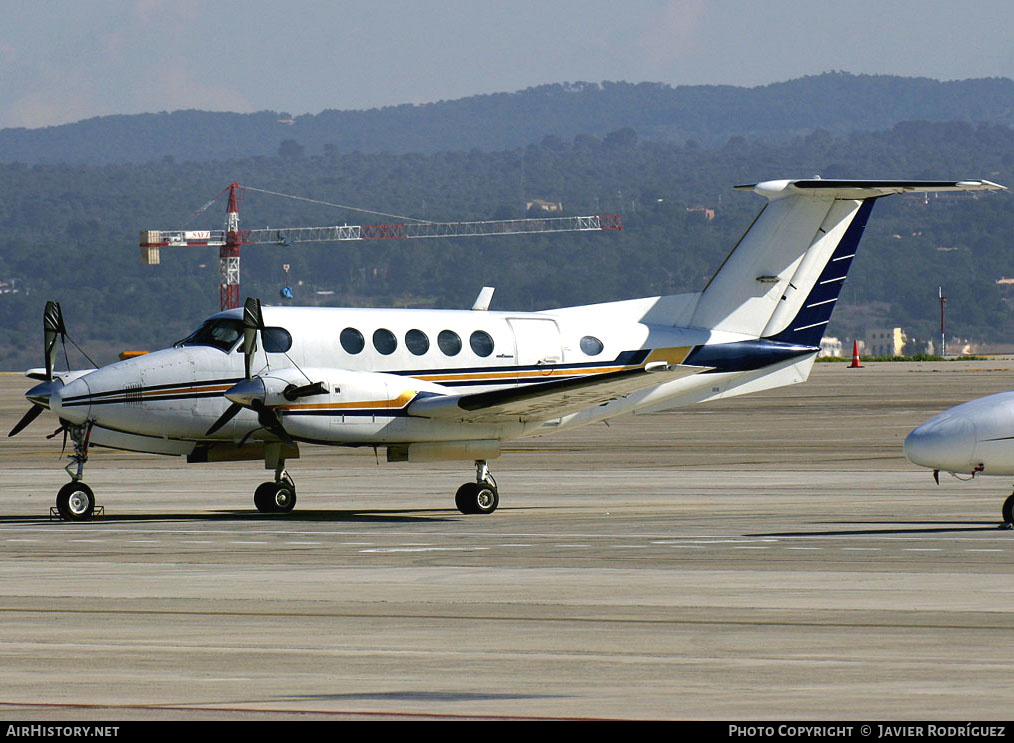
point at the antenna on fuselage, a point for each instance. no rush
(482, 302)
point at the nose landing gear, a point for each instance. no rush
(480, 496)
(75, 501)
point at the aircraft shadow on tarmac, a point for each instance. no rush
(373, 515)
(419, 696)
(910, 527)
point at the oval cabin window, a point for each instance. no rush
(417, 342)
(352, 341)
(384, 341)
(481, 343)
(449, 342)
(591, 345)
(276, 340)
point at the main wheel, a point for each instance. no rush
(75, 502)
(275, 497)
(1008, 509)
(476, 497)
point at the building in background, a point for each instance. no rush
(885, 342)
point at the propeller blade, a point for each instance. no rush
(253, 323)
(53, 327)
(27, 418)
(269, 420)
(228, 415)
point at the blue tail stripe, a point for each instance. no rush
(807, 327)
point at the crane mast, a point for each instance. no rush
(229, 240)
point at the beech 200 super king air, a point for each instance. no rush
(429, 385)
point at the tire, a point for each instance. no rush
(1008, 509)
(474, 497)
(264, 497)
(464, 499)
(75, 502)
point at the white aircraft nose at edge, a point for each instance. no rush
(974, 438)
(430, 385)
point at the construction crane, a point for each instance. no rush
(229, 240)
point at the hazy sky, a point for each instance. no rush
(65, 60)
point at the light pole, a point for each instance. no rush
(943, 337)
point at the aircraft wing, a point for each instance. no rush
(547, 400)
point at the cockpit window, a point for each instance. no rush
(221, 332)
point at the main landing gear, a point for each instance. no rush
(480, 496)
(278, 496)
(76, 501)
(1008, 513)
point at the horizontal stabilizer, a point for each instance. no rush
(862, 189)
(548, 400)
(39, 373)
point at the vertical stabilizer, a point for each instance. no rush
(782, 279)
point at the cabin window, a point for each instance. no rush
(417, 342)
(481, 343)
(276, 340)
(591, 345)
(384, 341)
(352, 341)
(449, 342)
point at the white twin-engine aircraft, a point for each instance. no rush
(430, 385)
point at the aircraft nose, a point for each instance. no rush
(70, 402)
(945, 442)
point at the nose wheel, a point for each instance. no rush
(480, 496)
(75, 502)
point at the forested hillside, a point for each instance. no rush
(839, 103)
(69, 232)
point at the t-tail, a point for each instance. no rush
(782, 280)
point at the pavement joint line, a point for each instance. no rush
(425, 549)
(111, 527)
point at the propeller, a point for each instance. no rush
(253, 323)
(252, 391)
(53, 329)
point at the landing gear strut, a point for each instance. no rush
(76, 501)
(278, 496)
(480, 496)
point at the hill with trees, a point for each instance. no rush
(836, 102)
(70, 231)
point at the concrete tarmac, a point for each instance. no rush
(766, 557)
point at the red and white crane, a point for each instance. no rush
(229, 240)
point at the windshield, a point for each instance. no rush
(222, 333)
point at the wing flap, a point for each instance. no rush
(547, 400)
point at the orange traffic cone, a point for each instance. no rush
(855, 356)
